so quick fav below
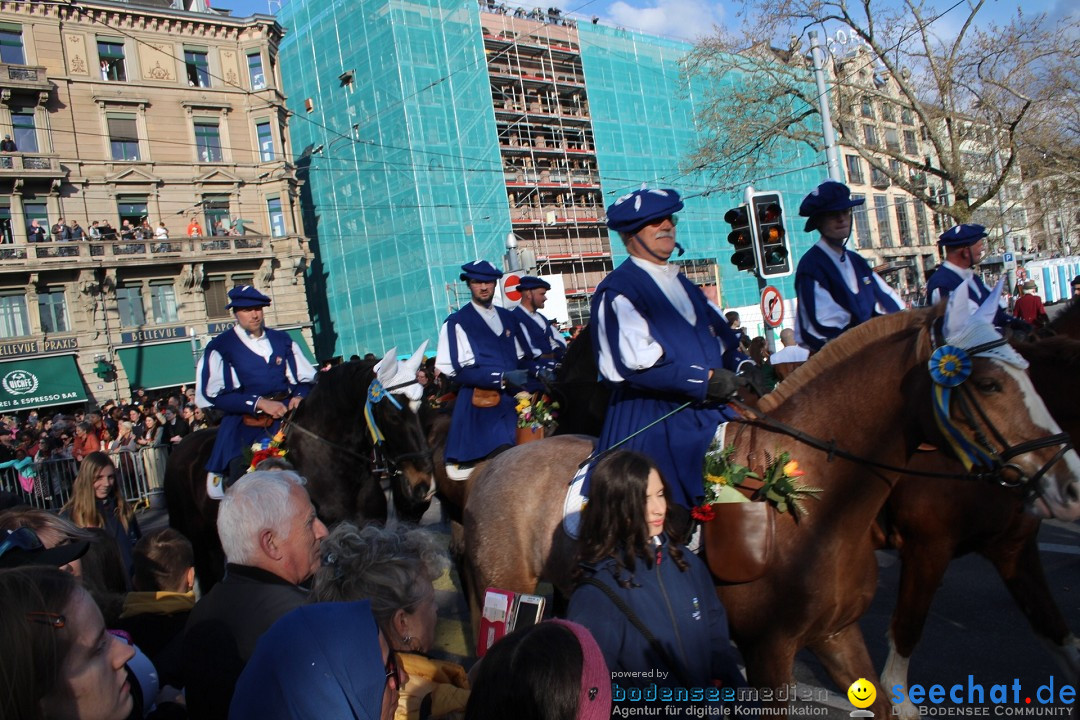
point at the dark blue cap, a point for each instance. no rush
(528, 282)
(633, 211)
(246, 296)
(962, 235)
(480, 270)
(829, 196)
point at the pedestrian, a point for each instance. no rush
(835, 287)
(97, 501)
(1029, 307)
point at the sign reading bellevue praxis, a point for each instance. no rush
(23, 348)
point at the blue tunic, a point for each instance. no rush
(475, 432)
(678, 444)
(543, 339)
(816, 267)
(258, 378)
(945, 280)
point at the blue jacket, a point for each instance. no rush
(815, 266)
(476, 432)
(681, 609)
(945, 280)
(678, 444)
(257, 378)
(541, 338)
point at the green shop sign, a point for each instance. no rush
(37, 382)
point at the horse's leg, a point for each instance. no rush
(922, 567)
(846, 659)
(1017, 561)
(769, 663)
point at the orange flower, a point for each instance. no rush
(791, 469)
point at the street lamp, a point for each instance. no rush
(513, 258)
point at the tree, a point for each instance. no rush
(977, 93)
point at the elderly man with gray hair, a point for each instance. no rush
(272, 540)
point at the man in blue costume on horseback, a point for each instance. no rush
(482, 348)
(545, 342)
(660, 344)
(252, 374)
(963, 247)
(836, 288)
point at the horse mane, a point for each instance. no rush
(1059, 348)
(849, 344)
(340, 391)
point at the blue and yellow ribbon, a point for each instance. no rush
(950, 366)
(376, 393)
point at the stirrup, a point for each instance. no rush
(215, 486)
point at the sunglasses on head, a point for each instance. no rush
(21, 539)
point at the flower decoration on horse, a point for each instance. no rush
(778, 485)
(536, 411)
(267, 448)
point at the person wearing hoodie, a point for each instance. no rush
(326, 660)
(627, 552)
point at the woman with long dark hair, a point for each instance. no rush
(97, 501)
(649, 602)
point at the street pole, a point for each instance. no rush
(832, 157)
(768, 332)
(1010, 268)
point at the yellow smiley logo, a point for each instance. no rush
(862, 693)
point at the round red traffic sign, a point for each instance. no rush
(511, 281)
(772, 306)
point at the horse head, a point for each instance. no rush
(991, 416)
(393, 400)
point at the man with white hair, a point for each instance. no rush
(272, 540)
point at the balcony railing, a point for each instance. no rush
(29, 77)
(54, 252)
(30, 164)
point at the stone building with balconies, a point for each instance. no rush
(168, 126)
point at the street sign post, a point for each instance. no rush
(772, 306)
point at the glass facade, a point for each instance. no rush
(404, 178)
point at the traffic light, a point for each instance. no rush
(771, 248)
(741, 237)
(105, 370)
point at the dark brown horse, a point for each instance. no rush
(930, 523)
(328, 441)
(869, 391)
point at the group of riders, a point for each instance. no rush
(667, 352)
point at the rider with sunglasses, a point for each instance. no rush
(660, 343)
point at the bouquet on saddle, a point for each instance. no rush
(536, 411)
(779, 484)
(266, 448)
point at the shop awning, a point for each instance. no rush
(40, 381)
(298, 337)
(158, 366)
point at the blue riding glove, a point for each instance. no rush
(545, 375)
(515, 378)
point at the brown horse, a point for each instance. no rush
(931, 523)
(869, 390)
(328, 441)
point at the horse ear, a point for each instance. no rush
(387, 368)
(989, 308)
(959, 311)
(414, 362)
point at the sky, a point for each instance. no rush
(669, 18)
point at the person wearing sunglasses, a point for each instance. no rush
(660, 343)
(327, 660)
(59, 661)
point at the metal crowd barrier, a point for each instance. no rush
(140, 474)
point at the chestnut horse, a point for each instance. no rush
(868, 390)
(931, 523)
(328, 440)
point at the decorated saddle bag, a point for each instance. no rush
(738, 541)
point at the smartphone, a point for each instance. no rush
(529, 611)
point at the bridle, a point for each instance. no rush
(980, 455)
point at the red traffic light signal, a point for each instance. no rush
(772, 252)
(741, 238)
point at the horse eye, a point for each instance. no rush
(988, 385)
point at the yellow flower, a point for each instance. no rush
(792, 469)
(716, 479)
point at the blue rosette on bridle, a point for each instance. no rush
(950, 366)
(375, 394)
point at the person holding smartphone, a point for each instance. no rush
(634, 576)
